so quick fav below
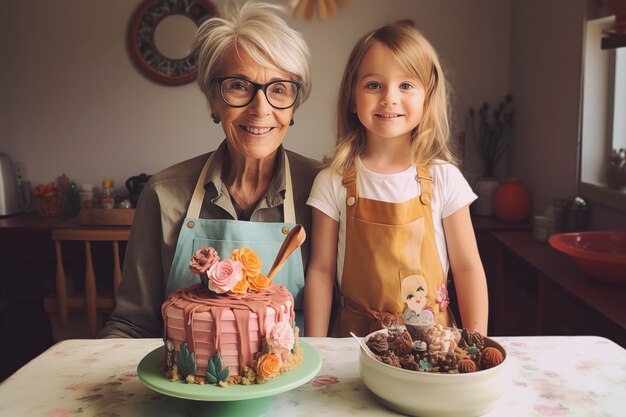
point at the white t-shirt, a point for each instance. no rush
(451, 192)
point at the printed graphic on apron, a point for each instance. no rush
(413, 292)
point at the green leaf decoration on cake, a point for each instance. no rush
(224, 374)
(472, 350)
(209, 377)
(186, 360)
(215, 371)
(210, 368)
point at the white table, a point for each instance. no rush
(549, 376)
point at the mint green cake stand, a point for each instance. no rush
(236, 400)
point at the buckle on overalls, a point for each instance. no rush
(425, 197)
(419, 178)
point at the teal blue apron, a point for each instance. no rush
(226, 235)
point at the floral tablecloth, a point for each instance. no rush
(549, 376)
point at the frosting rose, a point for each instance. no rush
(250, 261)
(258, 282)
(203, 259)
(268, 366)
(280, 337)
(241, 287)
(224, 275)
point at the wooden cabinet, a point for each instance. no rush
(27, 275)
(539, 291)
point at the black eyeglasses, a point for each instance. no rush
(239, 92)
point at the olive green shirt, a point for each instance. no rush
(160, 213)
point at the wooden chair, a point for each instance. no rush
(91, 302)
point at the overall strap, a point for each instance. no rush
(426, 184)
(193, 211)
(349, 181)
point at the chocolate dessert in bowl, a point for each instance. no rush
(426, 370)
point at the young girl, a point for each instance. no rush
(391, 211)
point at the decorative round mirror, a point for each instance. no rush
(160, 36)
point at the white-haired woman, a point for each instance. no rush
(254, 71)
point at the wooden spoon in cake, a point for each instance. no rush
(294, 239)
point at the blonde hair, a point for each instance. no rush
(256, 29)
(429, 140)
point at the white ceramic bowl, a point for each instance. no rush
(434, 395)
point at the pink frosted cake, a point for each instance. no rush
(234, 327)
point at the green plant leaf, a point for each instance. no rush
(215, 371)
(210, 368)
(217, 361)
(211, 378)
(186, 360)
(224, 374)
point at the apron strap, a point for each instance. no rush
(426, 184)
(193, 211)
(349, 175)
(423, 178)
(349, 181)
(288, 204)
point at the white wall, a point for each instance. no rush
(72, 102)
(546, 63)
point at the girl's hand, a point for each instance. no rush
(320, 275)
(469, 277)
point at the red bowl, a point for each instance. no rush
(601, 255)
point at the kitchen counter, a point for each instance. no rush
(537, 282)
(547, 376)
(28, 222)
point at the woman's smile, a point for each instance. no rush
(257, 131)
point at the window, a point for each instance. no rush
(603, 125)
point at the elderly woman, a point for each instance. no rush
(250, 192)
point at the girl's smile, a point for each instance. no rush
(388, 117)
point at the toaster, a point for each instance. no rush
(12, 200)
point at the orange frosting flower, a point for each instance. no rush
(258, 282)
(268, 366)
(241, 287)
(249, 260)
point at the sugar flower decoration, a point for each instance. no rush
(224, 275)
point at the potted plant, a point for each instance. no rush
(490, 133)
